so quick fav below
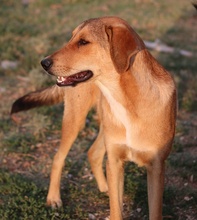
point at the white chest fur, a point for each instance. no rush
(119, 111)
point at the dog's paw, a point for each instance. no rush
(55, 203)
(103, 187)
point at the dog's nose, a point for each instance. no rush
(46, 63)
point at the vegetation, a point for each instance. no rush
(32, 29)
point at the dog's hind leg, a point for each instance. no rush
(77, 104)
(95, 155)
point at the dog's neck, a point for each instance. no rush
(119, 112)
(152, 79)
(131, 89)
(110, 87)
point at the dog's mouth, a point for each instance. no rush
(74, 79)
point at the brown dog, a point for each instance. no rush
(136, 102)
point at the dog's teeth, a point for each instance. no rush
(58, 79)
(61, 79)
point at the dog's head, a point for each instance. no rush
(97, 45)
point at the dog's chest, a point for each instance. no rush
(119, 112)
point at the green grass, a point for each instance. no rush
(30, 32)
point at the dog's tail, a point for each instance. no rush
(48, 96)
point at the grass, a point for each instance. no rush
(29, 32)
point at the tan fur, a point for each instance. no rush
(136, 101)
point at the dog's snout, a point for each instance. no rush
(46, 63)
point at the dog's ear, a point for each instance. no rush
(124, 44)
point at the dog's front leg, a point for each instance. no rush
(155, 177)
(70, 129)
(75, 113)
(115, 178)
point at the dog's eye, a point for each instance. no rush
(82, 42)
